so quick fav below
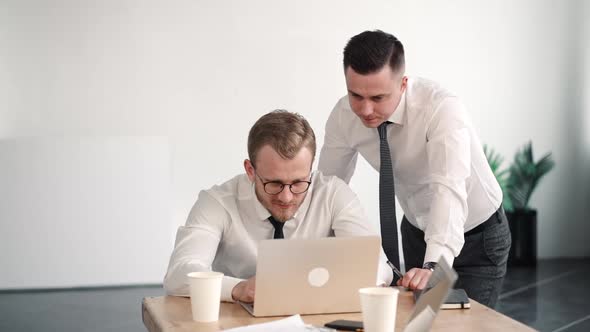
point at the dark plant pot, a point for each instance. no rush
(523, 227)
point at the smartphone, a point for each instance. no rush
(345, 325)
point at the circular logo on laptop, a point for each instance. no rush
(318, 277)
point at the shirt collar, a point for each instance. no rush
(399, 115)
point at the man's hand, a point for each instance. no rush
(244, 291)
(415, 278)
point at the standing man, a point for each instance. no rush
(419, 137)
(278, 197)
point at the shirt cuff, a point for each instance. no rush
(435, 251)
(384, 274)
(227, 285)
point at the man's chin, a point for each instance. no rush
(282, 216)
(370, 124)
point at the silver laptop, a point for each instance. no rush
(442, 280)
(313, 276)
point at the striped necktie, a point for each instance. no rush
(387, 200)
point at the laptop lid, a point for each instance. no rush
(428, 305)
(314, 276)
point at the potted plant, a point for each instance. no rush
(518, 183)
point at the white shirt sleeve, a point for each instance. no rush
(350, 220)
(196, 247)
(337, 157)
(449, 162)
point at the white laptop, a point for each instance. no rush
(313, 276)
(442, 280)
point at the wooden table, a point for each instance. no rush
(170, 313)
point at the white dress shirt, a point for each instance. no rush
(227, 222)
(442, 179)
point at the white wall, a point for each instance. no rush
(84, 211)
(188, 70)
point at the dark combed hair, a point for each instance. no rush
(286, 132)
(369, 51)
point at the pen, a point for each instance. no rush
(395, 270)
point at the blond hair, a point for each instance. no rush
(286, 132)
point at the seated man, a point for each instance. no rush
(278, 197)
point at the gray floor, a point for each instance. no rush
(90, 310)
(555, 296)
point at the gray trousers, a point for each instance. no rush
(481, 264)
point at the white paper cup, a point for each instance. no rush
(205, 290)
(379, 307)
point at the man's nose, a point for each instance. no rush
(286, 195)
(365, 108)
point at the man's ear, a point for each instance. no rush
(404, 83)
(249, 169)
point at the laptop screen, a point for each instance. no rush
(442, 280)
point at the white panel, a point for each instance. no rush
(84, 211)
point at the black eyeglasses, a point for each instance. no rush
(276, 187)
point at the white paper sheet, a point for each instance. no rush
(289, 324)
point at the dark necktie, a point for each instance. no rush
(278, 227)
(387, 200)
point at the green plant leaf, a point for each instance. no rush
(495, 161)
(525, 174)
